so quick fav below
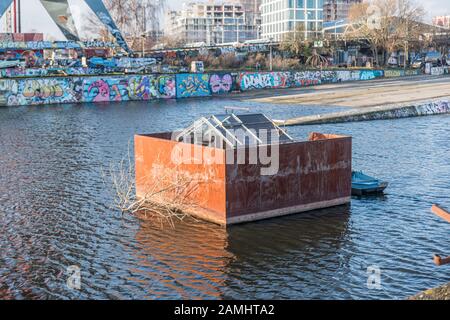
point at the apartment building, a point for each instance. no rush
(442, 21)
(280, 17)
(213, 22)
(334, 10)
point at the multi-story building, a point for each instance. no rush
(212, 22)
(334, 10)
(442, 21)
(252, 13)
(281, 17)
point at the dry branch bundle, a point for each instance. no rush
(169, 191)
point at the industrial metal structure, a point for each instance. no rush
(59, 11)
(234, 187)
(232, 131)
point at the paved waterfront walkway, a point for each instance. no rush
(359, 94)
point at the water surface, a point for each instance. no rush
(55, 212)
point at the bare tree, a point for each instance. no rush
(135, 18)
(295, 42)
(386, 25)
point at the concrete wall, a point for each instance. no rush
(376, 113)
(36, 89)
(395, 73)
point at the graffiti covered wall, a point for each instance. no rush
(437, 71)
(263, 80)
(42, 91)
(38, 91)
(395, 73)
(370, 74)
(30, 87)
(192, 85)
(221, 83)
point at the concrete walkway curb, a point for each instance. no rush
(424, 108)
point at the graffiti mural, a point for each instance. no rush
(440, 107)
(105, 90)
(7, 87)
(16, 92)
(30, 57)
(221, 83)
(167, 87)
(312, 78)
(437, 71)
(394, 73)
(306, 78)
(262, 80)
(192, 85)
(370, 74)
(151, 87)
(347, 75)
(42, 91)
(29, 87)
(413, 72)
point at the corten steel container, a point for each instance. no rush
(313, 174)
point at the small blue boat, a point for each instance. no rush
(363, 184)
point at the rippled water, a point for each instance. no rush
(54, 213)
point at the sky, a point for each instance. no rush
(36, 18)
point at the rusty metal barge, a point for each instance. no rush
(227, 155)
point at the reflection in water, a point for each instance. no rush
(197, 259)
(274, 255)
(190, 260)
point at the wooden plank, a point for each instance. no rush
(441, 212)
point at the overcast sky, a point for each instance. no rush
(37, 20)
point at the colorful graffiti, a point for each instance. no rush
(370, 74)
(167, 87)
(394, 73)
(17, 92)
(69, 89)
(105, 90)
(306, 78)
(440, 107)
(151, 87)
(221, 83)
(437, 71)
(30, 57)
(192, 85)
(41, 91)
(263, 80)
(129, 88)
(415, 72)
(310, 78)
(347, 75)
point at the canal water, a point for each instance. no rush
(55, 212)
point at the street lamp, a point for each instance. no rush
(271, 54)
(144, 36)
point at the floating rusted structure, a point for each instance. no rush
(232, 187)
